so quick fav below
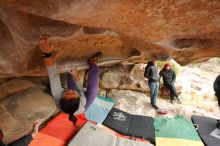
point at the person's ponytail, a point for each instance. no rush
(73, 119)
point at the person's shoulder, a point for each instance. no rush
(218, 77)
(162, 70)
(150, 66)
(217, 80)
(172, 70)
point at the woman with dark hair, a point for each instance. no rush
(72, 101)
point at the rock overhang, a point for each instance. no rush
(185, 30)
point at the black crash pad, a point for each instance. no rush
(142, 127)
(118, 121)
(206, 126)
(131, 125)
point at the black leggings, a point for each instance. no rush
(172, 89)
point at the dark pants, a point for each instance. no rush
(92, 84)
(173, 92)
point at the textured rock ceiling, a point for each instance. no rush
(186, 30)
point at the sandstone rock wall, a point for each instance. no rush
(131, 77)
(186, 30)
(21, 103)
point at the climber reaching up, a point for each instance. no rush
(74, 100)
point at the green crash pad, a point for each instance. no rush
(177, 127)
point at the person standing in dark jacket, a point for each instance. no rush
(151, 72)
(25, 140)
(217, 88)
(169, 78)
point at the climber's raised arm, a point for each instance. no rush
(54, 76)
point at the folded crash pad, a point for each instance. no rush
(92, 135)
(58, 131)
(206, 126)
(100, 108)
(131, 125)
(177, 131)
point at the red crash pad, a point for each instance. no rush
(58, 131)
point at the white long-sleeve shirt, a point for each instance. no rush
(57, 90)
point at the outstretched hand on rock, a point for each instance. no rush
(36, 125)
(44, 44)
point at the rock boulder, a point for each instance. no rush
(21, 108)
(186, 30)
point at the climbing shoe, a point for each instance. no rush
(95, 58)
(155, 107)
(171, 101)
(179, 101)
